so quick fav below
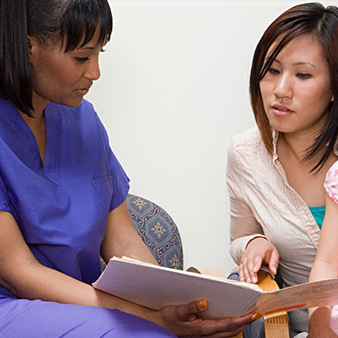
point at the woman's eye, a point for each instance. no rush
(273, 71)
(303, 75)
(81, 59)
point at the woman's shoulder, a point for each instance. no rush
(246, 151)
(332, 173)
(248, 143)
(331, 182)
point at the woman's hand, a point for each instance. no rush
(319, 324)
(183, 321)
(259, 250)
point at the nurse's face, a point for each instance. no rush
(296, 90)
(60, 77)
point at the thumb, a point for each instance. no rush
(188, 312)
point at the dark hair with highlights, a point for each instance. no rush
(322, 24)
(73, 22)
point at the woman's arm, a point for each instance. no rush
(249, 246)
(324, 267)
(326, 262)
(24, 276)
(121, 239)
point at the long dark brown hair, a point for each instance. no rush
(322, 24)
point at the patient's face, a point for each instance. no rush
(296, 90)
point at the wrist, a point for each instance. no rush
(256, 238)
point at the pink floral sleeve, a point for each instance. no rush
(331, 182)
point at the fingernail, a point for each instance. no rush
(202, 304)
(256, 316)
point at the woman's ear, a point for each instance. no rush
(32, 45)
(33, 49)
(29, 44)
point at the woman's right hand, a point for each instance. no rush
(184, 321)
(259, 250)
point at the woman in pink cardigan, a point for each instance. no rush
(276, 171)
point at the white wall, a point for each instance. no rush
(173, 91)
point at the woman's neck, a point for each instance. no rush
(37, 124)
(299, 144)
(39, 105)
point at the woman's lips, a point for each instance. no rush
(281, 111)
(82, 91)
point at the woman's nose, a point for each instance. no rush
(93, 69)
(284, 86)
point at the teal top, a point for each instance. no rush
(318, 214)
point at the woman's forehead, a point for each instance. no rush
(308, 36)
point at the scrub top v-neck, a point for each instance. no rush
(61, 207)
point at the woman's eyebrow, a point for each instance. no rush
(299, 63)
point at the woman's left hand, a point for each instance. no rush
(183, 321)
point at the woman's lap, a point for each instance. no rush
(25, 318)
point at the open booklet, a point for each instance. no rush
(154, 287)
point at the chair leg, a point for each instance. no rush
(275, 325)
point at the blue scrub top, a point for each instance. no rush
(61, 207)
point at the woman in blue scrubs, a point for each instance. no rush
(62, 190)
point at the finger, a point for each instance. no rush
(241, 273)
(246, 274)
(251, 274)
(236, 326)
(233, 333)
(250, 267)
(188, 312)
(257, 263)
(273, 262)
(228, 327)
(244, 269)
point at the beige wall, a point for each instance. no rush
(174, 89)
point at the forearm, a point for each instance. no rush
(39, 282)
(239, 244)
(322, 270)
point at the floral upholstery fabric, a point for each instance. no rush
(158, 231)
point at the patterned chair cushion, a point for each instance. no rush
(158, 231)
